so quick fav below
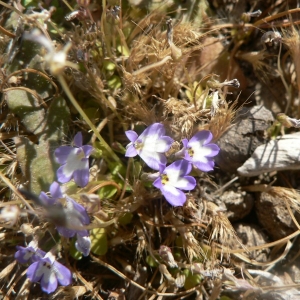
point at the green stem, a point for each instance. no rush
(86, 118)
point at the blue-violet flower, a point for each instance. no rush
(76, 216)
(199, 151)
(49, 272)
(150, 145)
(173, 179)
(74, 162)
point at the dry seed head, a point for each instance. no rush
(222, 229)
(222, 121)
(256, 60)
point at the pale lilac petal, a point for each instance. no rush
(46, 200)
(174, 196)
(66, 232)
(61, 176)
(163, 144)
(179, 167)
(87, 149)
(78, 139)
(84, 217)
(35, 271)
(153, 159)
(63, 274)
(131, 135)
(74, 161)
(23, 255)
(131, 151)
(153, 132)
(202, 137)
(39, 254)
(213, 150)
(185, 143)
(55, 190)
(205, 166)
(157, 183)
(83, 244)
(49, 281)
(81, 176)
(62, 153)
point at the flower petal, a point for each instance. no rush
(81, 176)
(205, 166)
(87, 149)
(62, 153)
(83, 244)
(55, 190)
(163, 144)
(157, 183)
(153, 159)
(62, 176)
(131, 151)
(131, 135)
(152, 133)
(23, 255)
(66, 232)
(174, 196)
(78, 139)
(178, 168)
(202, 137)
(49, 280)
(35, 271)
(73, 205)
(63, 274)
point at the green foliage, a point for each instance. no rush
(191, 279)
(36, 156)
(99, 241)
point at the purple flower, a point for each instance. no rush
(83, 243)
(74, 162)
(29, 253)
(75, 216)
(49, 272)
(199, 150)
(150, 145)
(173, 179)
(55, 193)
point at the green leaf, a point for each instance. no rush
(107, 192)
(126, 218)
(99, 241)
(151, 261)
(191, 280)
(37, 160)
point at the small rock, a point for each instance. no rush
(238, 204)
(251, 235)
(246, 134)
(274, 216)
(277, 155)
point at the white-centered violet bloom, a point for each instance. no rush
(151, 145)
(70, 220)
(49, 273)
(74, 161)
(30, 253)
(173, 179)
(199, 151)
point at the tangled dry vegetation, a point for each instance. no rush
(190, 65)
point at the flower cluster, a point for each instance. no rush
(69, 217)
(44, 268)
(172, 180)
